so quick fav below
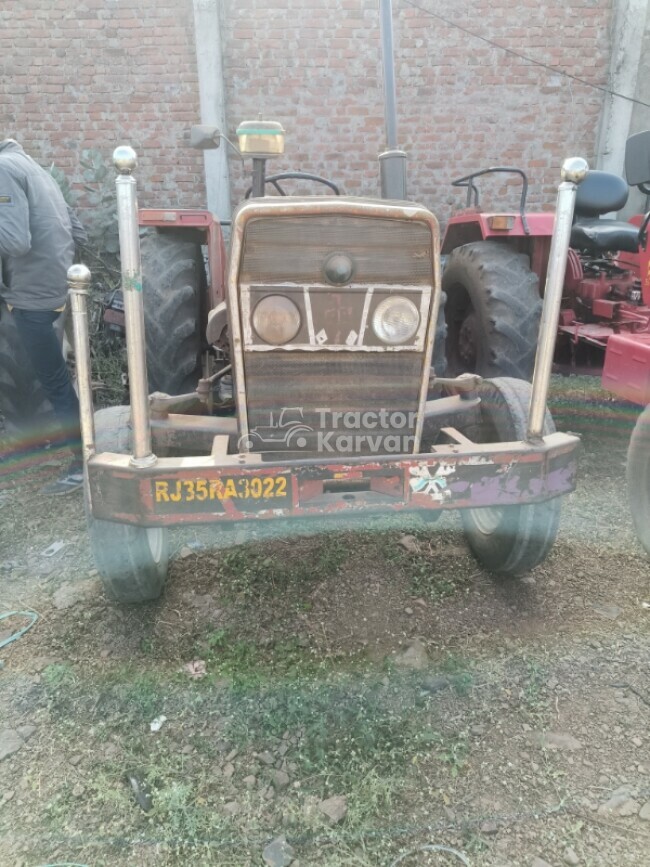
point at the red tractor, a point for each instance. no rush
(495, 264)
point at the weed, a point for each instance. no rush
(473, 843)
(108, 364)
(454, 754)
(57, 677)
(343, 728)
(428, 582)
(457, 673)
(146, 646)
(532, 692)
(246, 663)
(250, 572)
(142, 693)
(177, 812)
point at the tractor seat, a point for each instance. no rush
(600, 193)
(604, 236)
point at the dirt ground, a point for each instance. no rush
(359, 693)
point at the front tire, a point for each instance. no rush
(493, 311)
(132, 561)
(638, 477)
(510, 540)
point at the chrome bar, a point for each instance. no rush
(574, 171)
(78, 284)
(125, 161)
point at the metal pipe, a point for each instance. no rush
(125, 161)
(392, 162)
(390, 100)
(259, 177)
(574, 171)
(78, 283)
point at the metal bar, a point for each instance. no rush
(259, 177)
(390, 100)
(78, 284)
(468, 181)
(574, 172)
(125, 162)
(207, 489)
(392, 163)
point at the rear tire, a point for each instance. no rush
(173, 280)
(132, 561)
(439, 359)
(493, 311)
(510, 540)
(638, 477)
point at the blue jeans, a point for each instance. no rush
(41, 344)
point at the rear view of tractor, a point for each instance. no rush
(496, 264)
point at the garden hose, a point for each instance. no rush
(19, 633)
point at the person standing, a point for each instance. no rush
(37, 242)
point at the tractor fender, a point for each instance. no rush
(217, 322)
(469, 226)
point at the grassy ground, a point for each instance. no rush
(279, 664)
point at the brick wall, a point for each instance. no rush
(462, 104)
(93, 73)
(78, 74)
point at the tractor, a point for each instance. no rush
(326, 318)
(496, 262)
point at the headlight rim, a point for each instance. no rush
(290, 307)
(385, 305)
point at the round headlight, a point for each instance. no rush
(395, 320)
(276, 319)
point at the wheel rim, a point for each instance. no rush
(487, 520)
(467, 341)
(156, 542)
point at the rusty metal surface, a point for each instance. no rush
(190, 433)
(328, 225)
(241, 487)
(338, 397)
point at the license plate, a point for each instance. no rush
(245, 493)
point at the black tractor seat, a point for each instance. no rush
(600, 193)
(604, 236)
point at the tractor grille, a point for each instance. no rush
(337, 388)
(377, 394)
(293, 249)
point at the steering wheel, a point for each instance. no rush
(295, 176)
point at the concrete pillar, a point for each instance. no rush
(640, 121)
(207, 35)
(628, 27)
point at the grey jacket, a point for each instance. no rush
(36, 236)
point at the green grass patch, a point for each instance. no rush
(250, 571)
(245, 663)
(342, 727)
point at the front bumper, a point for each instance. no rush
(231, 488)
